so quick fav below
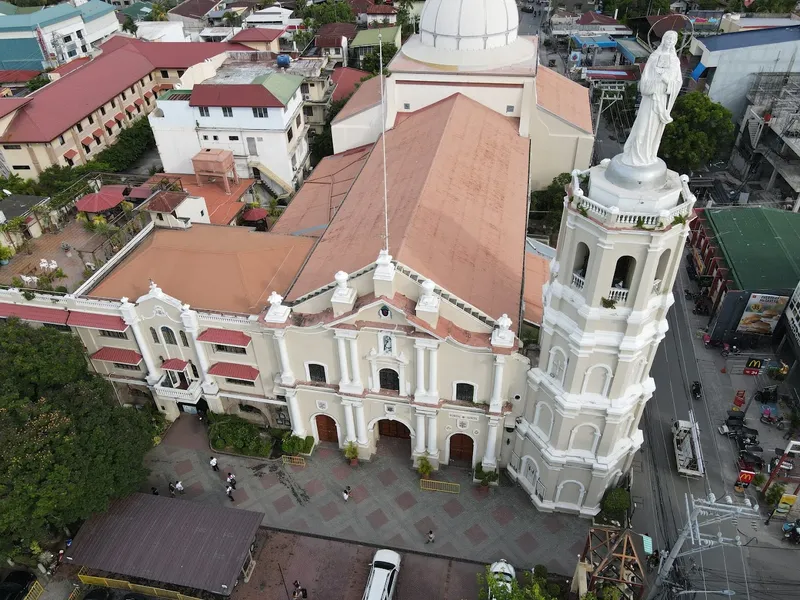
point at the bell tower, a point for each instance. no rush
(620, 246)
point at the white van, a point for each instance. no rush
(383, 573)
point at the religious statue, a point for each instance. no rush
(661, 81)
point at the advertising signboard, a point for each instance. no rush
(762, 313)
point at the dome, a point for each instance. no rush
(468, 24)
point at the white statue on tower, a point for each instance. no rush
(661, 81)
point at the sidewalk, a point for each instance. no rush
(386, 507)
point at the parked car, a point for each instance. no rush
(383, 572)
(16, 584)
(528, 8)
(98, 593)
(503, 573)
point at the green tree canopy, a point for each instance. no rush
(701, 130)
(547, 206)
(371, 62)
(129, 25)
(67, 448)
(631, 9)
(327, 12)
(534, 588)
(322, 144)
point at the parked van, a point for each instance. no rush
(383, 573)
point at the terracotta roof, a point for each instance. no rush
(95, 321)
(328, 41)
(9, 105)
(314, 205)
(117, 355)
(17, 76)
(138, 102)
(222, 208)
(71, 65)
(56, 107)
(240, 267)
(234, 371)
(346, 80)
(348, 30)
(359, 6)
(110, 123)
(140, 192)
(593, 18)
(366, 96)
(174, 364)
(227, 337)
(71, 153)
(381, 9)
(119, 116)
(244, 95)
(55, 316)
(564, 98)
(97, 132)
(165, 201)
(537, 270)
(195, 9)
(458, 194)
(258, 34)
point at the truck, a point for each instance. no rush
(686, 441)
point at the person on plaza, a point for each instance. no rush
(346, 493)
(154, 491)
(213, 463)
(171, 489)
(231, 480)
(431, 537)
(229, 492)
(179, 487)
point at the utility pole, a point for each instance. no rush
(610, 92)
(713, 513)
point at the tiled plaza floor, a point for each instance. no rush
(386, 507)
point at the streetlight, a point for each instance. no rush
(718, 592)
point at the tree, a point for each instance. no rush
(17, 185)
(371, 62)
(632, 9)
(701, 130)
(534, 588)
(231, 19)
(158, 12)
(548, 204)
(67, 448)
(129, 25)
(327, 12)
(322, 143)
(37, 82)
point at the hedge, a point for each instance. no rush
(293, 445)
(234, 434)
(131, 144)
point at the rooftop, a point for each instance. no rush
(367, 95)
(258, 34)
(17, 76)
(241, 267)
(747, 39)
(168, 540)
(369, 37)
(71, 65)
(381, 9)
(194, 9)
(17, 205)
(222, 208)
(348, 30)
(40, 18)
(315, 204)
(94, 9)
(165, 201)
(761, 246)
(246, 83)
(594, 18)
(346, 79)
(537, 272)
(564, 98)
(457, 207)
(136, 9)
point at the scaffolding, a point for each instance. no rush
(777, 98)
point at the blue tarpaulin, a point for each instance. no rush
(601, 41)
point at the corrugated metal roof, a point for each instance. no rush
(174, 364)
(369, 37)
(225, 337)
(168, 540)
(746, 39)
(280, 85)
(94, 321)
(234, 371)
(54, 316)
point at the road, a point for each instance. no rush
(760, 569)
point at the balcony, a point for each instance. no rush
(577, 281)
(187, 391)
(618, 295)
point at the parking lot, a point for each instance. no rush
(333, 569)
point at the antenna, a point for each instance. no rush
(383, 143)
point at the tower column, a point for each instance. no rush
(496, 402)
(349, 422)
(489, 461)
(419, 445)
(342, 352)
(433, 449)
(420, 370)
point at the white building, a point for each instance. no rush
(233, 103)
(161, 31)
(273, 17)
(500, 70)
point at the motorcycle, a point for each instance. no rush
(749, 461)
(793, 535)
(728, 350)
(769, 419)
(697, 390)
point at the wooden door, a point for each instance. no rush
(393, 429)
(326, 429)
(461, 449)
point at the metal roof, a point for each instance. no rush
(168, 540)
(761, 246)
(369, 37)
(18, 205)
(746, 39)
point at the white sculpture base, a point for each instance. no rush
(611, 186)
(648, 177)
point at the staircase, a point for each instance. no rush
(754, 129)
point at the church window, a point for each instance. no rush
(406, 106)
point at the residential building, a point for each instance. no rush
(346, 81)
(334, 39)
(273, 16)
(731, 23)
(137, 11)
(263, 39)
(500, 70)
(194, 15)
(723, 66)
(218, 34)
(16, 80)
(243, 102)
(82, 112)
(590, 23)
(161, 31)
(366, 41)
(379, 15)
(54, 35)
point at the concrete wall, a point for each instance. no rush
(362, 128)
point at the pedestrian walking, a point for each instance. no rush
(297, 585)
(346, 493)
(299, 590)
(179, 487)
(231, 480)
(213, 463)
(229, 492)
(154, 491)
(431, 537)
(171, 489)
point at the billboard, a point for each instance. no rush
(762, 313)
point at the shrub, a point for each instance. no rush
(424, 466)
(616, 503)
(554, 590)
(774, 493)
(293, 445)
(350, 451)
(540, 572)
(131, 144)
(234, 433)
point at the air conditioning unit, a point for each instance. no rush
(307, 97)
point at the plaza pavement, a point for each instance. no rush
(386, 507)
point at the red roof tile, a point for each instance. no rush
(110, 124)
(174, 364)
(225, 337)
(194, 9)
(130, 108)
(95, 321)
(71, 65)
(348, 30)
(86, 141)
(258, 34)
(234, 371)
(55, 316)
(165, 201)
(328, 41)
(56, 107)
(118, 355)
(138, 102)
(381, 9)
(233, 95)
(97, 132)
(72, 153)
(9, 105)
(593, 18)
(346, 80)
(17, 76)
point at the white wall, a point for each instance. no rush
(173, 127)
(102, 27)
(161, 31)
(362, 128)
(195, 209)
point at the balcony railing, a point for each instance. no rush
(618, 295)
(191, 393)
(577, 281)
(656, 287)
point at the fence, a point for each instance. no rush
(431, 485)
(121, 584)
(35, 591)
(295, 461)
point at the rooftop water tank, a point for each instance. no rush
(284, 60)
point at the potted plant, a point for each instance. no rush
(424, 467)
(351, 453)
(5, 254)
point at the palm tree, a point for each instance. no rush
(129, 25)
(231, 19)
(158, 12)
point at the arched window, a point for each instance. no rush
(389, 380)
(154, 334)
(623, 273)
(316, 372)
(543, 419)
(585, 438)
(184, 341)
(581, 260)
(465, 392)
(558, 364)
(597, 380)
(169, 336)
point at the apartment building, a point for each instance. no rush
(70, 120)
(258, 106)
